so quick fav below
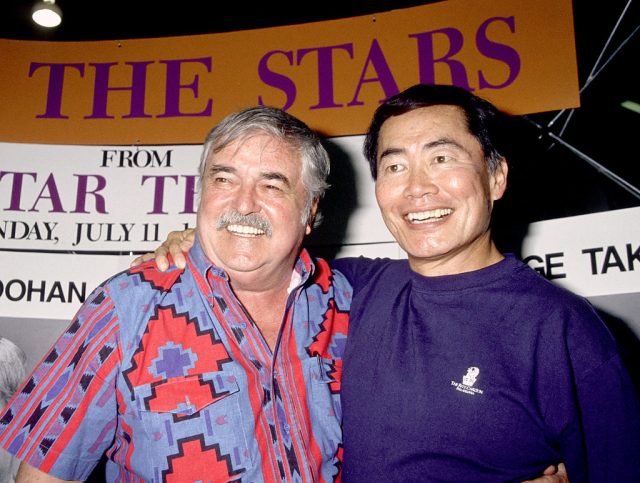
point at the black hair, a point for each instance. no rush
(484, 120)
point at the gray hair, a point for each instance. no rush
(285, 127)
(12, 369)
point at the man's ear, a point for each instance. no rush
(312, 216)
(498, 180)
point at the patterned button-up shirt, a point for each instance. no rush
(167, 374)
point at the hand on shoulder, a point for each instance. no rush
(176, 244)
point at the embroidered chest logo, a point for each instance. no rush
(468, 381)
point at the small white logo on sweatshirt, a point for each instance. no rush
(468, 381)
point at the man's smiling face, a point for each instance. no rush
(251, 207)
(434, 189)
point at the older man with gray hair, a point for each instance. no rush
(228, 369)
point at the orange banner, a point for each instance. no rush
(520, 55)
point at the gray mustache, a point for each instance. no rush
(236, 218)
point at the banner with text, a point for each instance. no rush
(87, 199)
(592, 255)
(94, 198)
(520, 55)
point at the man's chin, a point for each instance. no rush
(424, 250)
(241, 263)
(422, 259)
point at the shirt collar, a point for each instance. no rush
(303, 268)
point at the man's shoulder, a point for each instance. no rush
(143, 278)
(359, 269)
(535, 284)
(324, 275)
(550, 300)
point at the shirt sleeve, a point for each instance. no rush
(611, 419)
(63, 418)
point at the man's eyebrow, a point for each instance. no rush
(267, 175)
(430, 145)
(390, 152)
(220, 168)
(276, 176)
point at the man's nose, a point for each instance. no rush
(246, 200)
(420, 183)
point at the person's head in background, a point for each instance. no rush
(12, 369)
(12, 373)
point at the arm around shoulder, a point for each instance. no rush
(176, 244)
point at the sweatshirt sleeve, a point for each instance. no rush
(609, 406)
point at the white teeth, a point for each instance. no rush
(431, 215)
(244, 230)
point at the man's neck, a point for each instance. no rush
(475, 257)
(266, 309)
(264, 297)
(262, 281)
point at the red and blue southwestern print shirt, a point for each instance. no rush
(169, 375)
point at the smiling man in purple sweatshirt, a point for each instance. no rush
(462, 363)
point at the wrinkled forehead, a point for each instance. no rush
(260, 156)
